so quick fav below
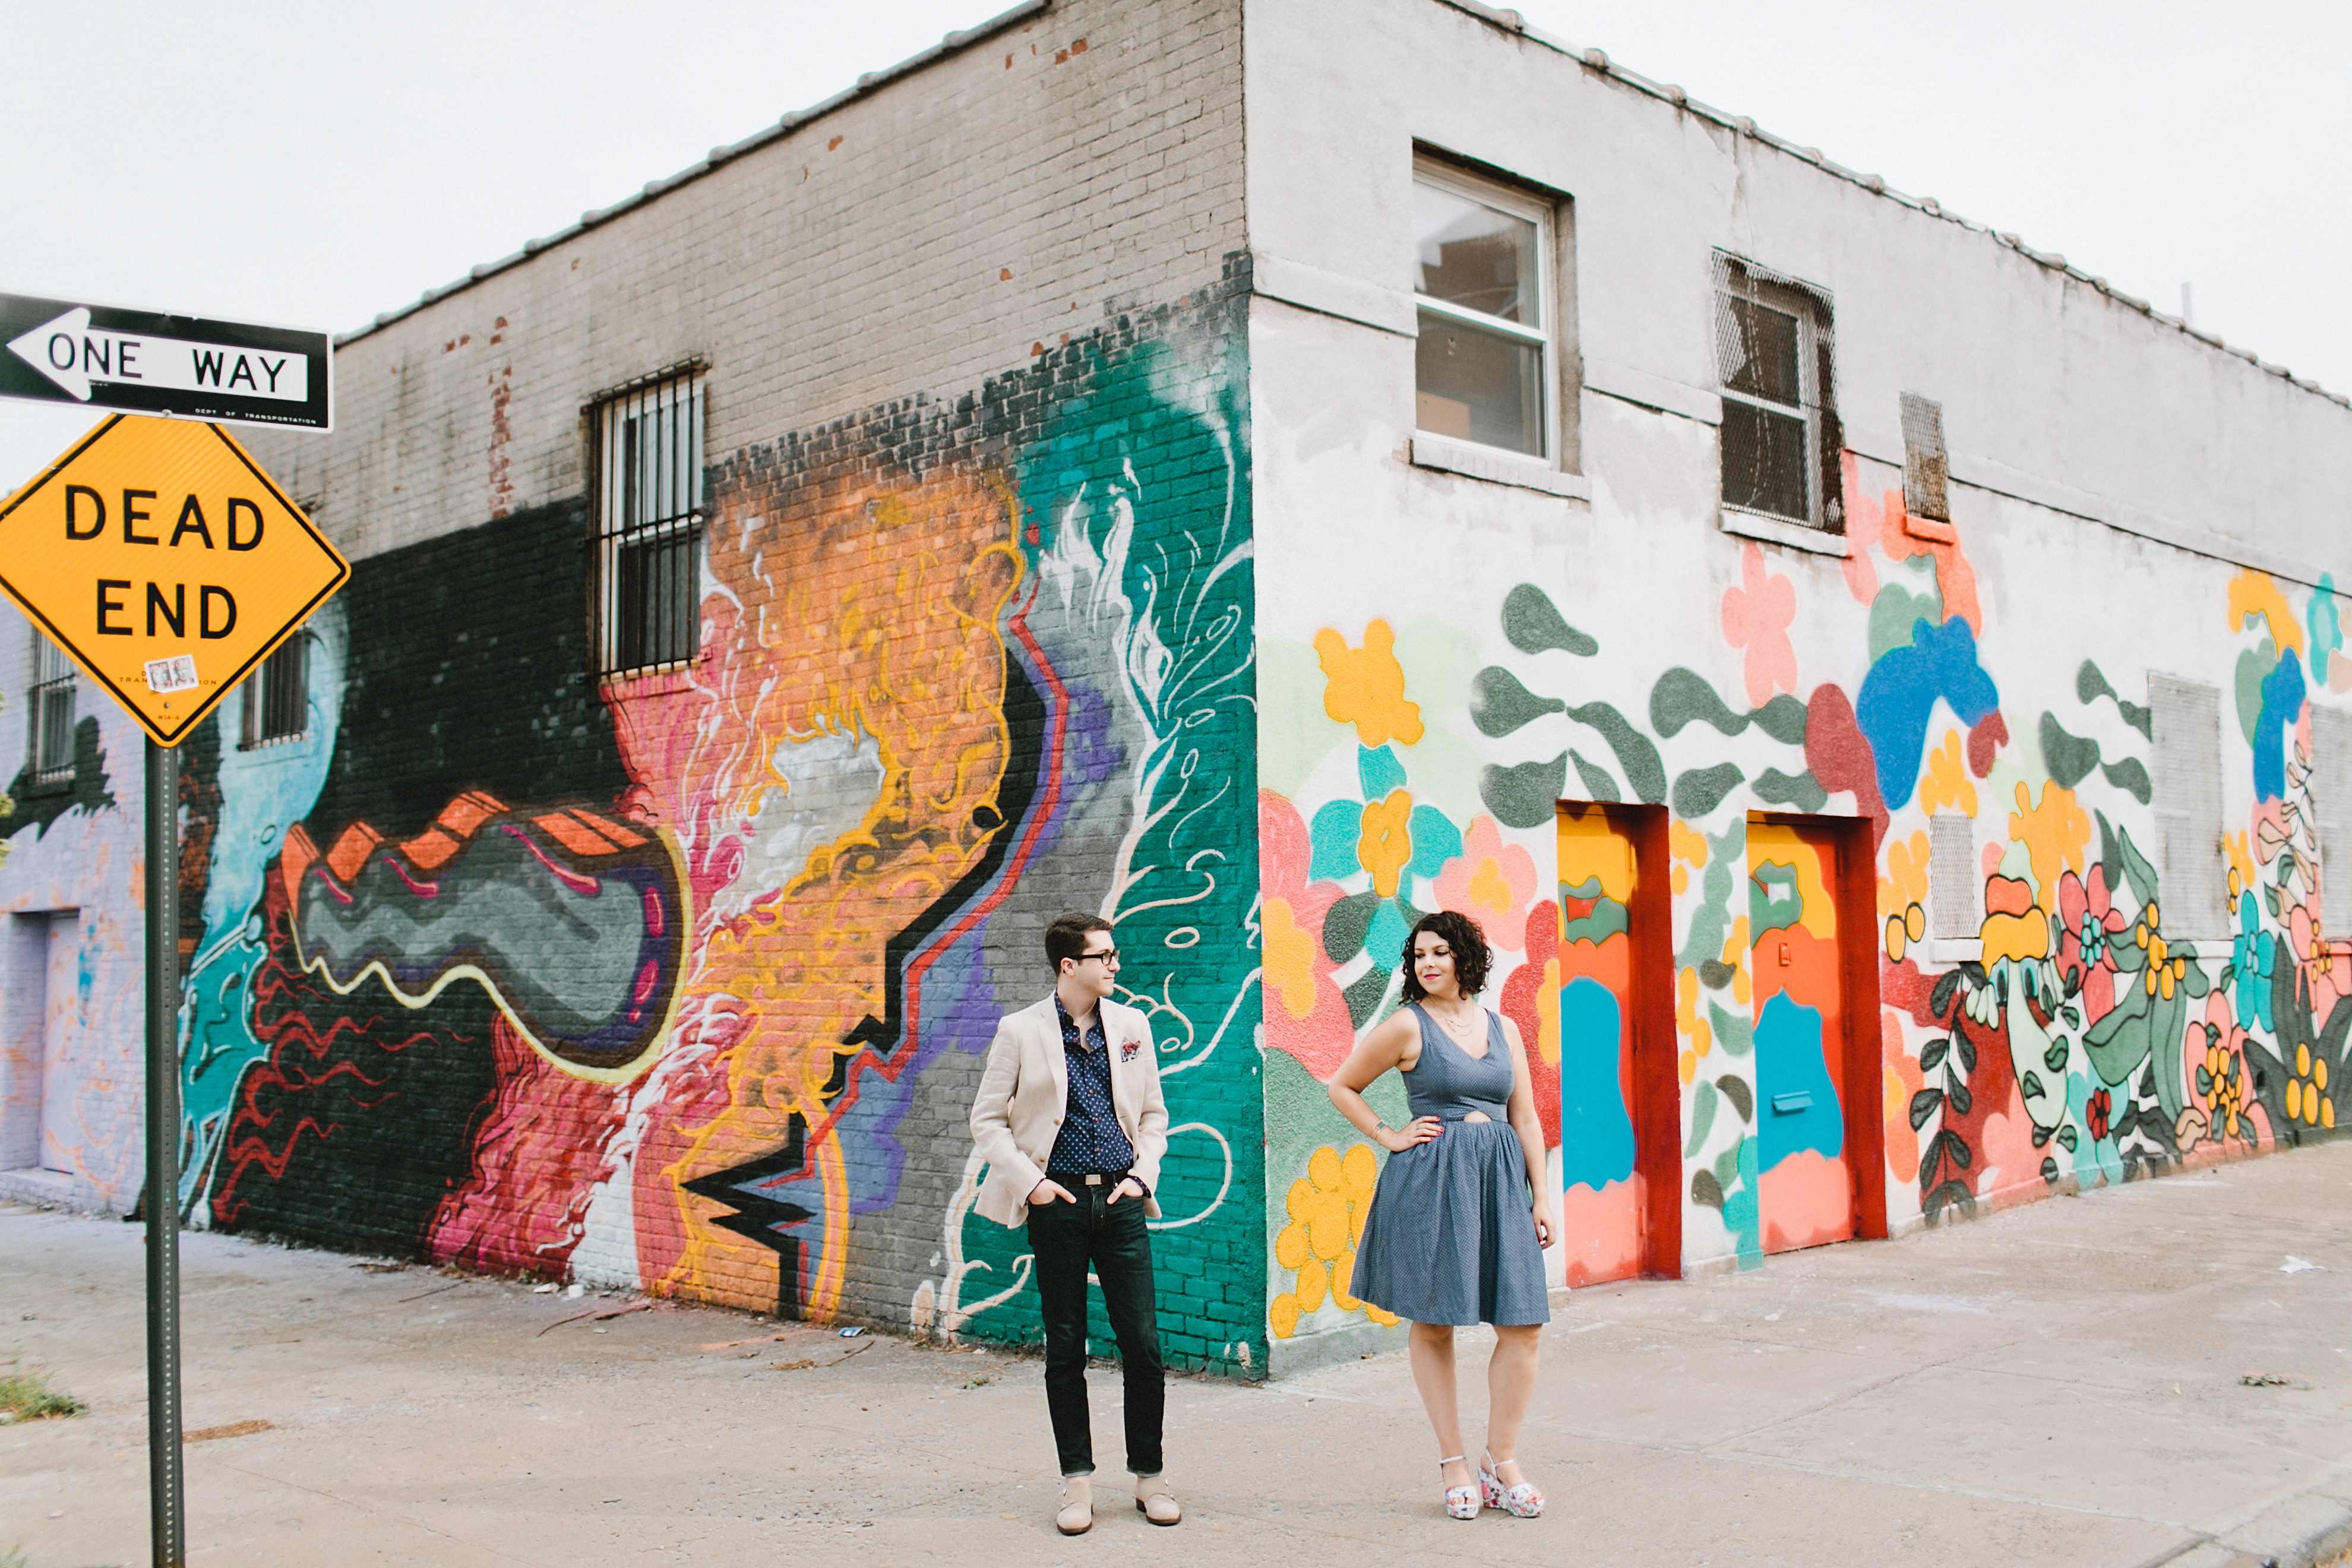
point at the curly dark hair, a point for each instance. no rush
(1472, 956)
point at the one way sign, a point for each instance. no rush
(144, 362)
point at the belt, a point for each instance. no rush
(1091, 1178)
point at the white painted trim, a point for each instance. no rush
(1955, 949)
(1497, 466)
(1333, 294)
(1772, 530)
(1644, 390)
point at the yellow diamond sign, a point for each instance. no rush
(160, 557)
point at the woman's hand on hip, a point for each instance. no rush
(1419, 1129)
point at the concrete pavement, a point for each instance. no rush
(2058, 1385)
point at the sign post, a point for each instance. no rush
(166, 1515)
(161, 558)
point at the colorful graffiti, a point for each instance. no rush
(2074, 1037)
(705, 1016)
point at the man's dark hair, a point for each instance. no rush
(1472, 957)
(1066, 937)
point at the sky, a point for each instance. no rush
(287, 162)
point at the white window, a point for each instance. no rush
(1484, 283)
(1779, 434)
(51, 702)
(278, 695)
(2192, 892)
(648, 508)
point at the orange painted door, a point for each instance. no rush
(1806, 1195)
(1602, 1200)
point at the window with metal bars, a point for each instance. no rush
(1483, 287)
(648, 518)
(278, 695)
(51, 702)
(1780, 434)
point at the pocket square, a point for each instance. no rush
(1127, 1049)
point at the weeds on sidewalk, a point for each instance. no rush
(28, 1396)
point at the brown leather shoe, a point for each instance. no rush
(1078, 1515)
(1155, 1503)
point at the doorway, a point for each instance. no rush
(1621, 1109)
(43, 1027)
(1819, 1080)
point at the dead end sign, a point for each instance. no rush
(160, 557)
(147, 362)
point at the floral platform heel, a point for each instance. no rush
(1521, 1502)
(1461, 1502)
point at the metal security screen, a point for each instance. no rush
(2331, 787)
(649, 524)
(2193, 894)
(277, 697)
(1781, 436)
(1925, 467)
(1953, 878)
(52, 704)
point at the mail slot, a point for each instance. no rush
(1793, 1100)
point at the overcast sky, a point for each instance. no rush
(314, 164)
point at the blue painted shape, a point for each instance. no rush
(1789, 1062)
(1899, 695)
(1435, 840)
(2326, 625)
(1794, 1100)
(1596, 1135)
(1384, 936)
(2282, 705)
(1378, 770)
(1337, 827)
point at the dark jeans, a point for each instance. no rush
(1066, 1239)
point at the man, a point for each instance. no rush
(1070, 1121)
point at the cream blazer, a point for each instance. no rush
(1026, 1089)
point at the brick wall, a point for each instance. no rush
(683, 980)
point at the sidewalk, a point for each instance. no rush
(2060, 1384)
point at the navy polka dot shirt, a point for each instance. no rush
(1090, 1141)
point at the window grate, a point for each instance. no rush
(1781, 436)
(2190, 890)
(277, 696)
(51, 705)
(2331, 786)
(1953, 879)
(1926, 474)
(648, 511)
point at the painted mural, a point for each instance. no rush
(2075, 1038)
(683, 980)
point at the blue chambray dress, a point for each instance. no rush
(1451, 1238)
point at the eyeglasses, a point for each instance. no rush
(1109, 956)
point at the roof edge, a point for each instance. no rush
(867, 84)
(1600, 63)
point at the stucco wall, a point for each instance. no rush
(1444, 657)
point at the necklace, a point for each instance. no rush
(1455, 1021)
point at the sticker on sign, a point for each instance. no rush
(177, 673)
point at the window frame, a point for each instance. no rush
(52, 671)
(614, 536)
(1737, 277)
(1444, 175)
(257, 695)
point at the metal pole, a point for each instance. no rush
(165, 1510)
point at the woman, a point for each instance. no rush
(1459, 1220)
